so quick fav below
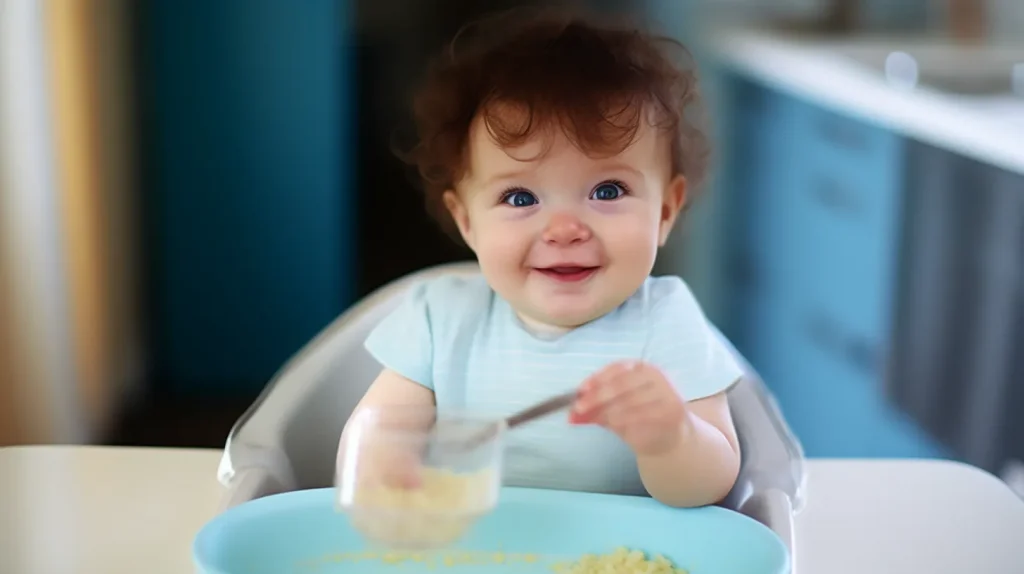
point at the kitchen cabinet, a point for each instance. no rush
(760, 251)
(957, 366)
(813, 199)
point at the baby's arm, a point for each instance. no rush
(703, 465)
(687, 453)
(403, 344)
(385, 459)
(390, 388)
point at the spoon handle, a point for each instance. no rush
(547, 407)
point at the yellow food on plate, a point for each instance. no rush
(622, 561)
(435, 513)
(433, 560)
(439, 491)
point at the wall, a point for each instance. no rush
(38, 392)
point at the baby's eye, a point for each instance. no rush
(608, 191)
(519, 198)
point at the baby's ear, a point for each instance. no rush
(672, 202)
(457, 209)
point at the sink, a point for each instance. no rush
(958, 70)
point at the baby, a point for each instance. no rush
(560, 152)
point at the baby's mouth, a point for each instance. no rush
(568, 274)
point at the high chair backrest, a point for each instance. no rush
(292, 429)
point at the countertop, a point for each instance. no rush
(821, 70)
(108, 510)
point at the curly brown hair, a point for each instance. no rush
(595, 81)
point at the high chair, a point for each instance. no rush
(288, 438)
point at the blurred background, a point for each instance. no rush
(190, 191)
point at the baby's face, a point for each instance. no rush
(563, 237)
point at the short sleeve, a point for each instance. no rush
(684, 345)
(403, 342)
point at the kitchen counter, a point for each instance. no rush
(105, 510)
(826, 71)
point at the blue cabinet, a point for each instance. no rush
(847, 212)
(814, 199)
(834, 398)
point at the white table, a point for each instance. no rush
(104, 510)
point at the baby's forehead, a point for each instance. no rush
(511, 140)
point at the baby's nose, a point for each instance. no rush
(566, 228)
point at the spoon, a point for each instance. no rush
(541, 409)
(524, 416)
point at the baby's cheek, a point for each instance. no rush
(505, 248)
(634, 242)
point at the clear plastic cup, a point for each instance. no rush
(417, 478)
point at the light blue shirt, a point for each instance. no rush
(456, 336)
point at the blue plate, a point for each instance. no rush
(529, 532)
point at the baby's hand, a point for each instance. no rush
(394, 469)
(635, 401)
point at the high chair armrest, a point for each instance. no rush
(772, 481)
(241, 462)
(774, 508)
(261, 428)
(772, 456)
(249, 484)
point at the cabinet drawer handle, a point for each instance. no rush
(829, 194)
